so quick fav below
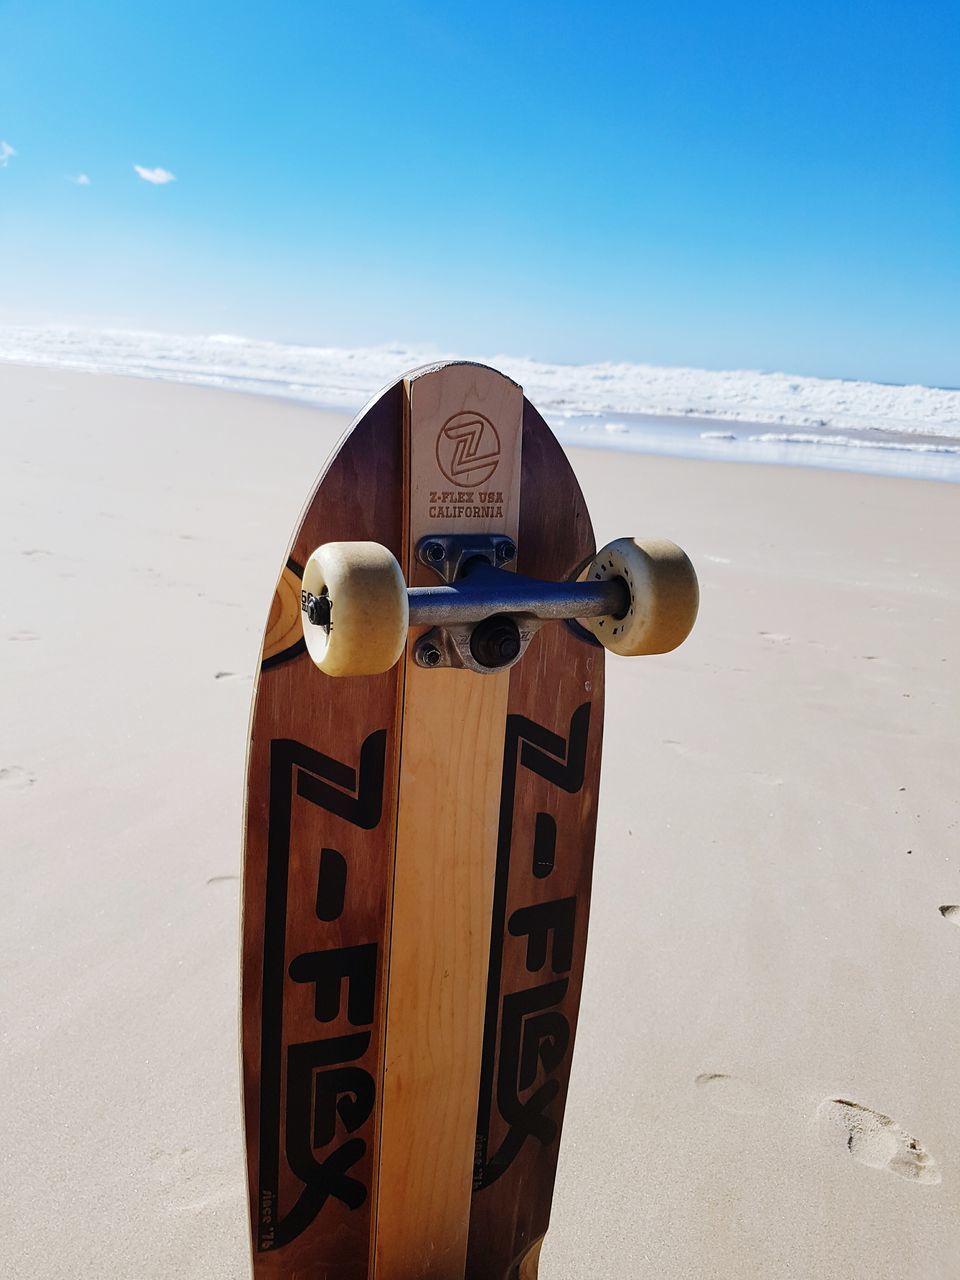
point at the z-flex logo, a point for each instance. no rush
(528, 1028)
(317, 1087)
(468, 449)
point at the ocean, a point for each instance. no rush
(732, 416)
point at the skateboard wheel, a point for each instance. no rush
(354, 608)
(664, 596)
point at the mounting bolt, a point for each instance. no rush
(505, 551)
(428, 655)
(434, 552)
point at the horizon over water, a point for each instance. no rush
(736, 416)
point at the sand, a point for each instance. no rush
(765, 1077)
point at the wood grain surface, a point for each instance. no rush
(446, 845)
(418, 849)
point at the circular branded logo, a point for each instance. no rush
(468, 449)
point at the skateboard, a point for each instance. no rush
(422, 778)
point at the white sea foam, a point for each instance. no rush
(853, 442)
(345, 378)
(862, 426)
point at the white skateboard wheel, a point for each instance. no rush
(357, 591)
(663, 590)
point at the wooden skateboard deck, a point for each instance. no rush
(418, 853)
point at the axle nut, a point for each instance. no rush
(318, 611)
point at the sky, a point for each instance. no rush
(751, 184)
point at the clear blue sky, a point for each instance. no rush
(746, 184)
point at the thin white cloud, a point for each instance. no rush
(159, 177)
(6, 151)
(81, 180)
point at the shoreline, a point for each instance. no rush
(738, 416)
(915, 456)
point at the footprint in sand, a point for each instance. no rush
(688, 753)
(226, 604)
(951, 913)
(187, 1183)
(875, 1140)
(732, 1094)
(13, 778)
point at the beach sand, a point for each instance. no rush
(765, 1080)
